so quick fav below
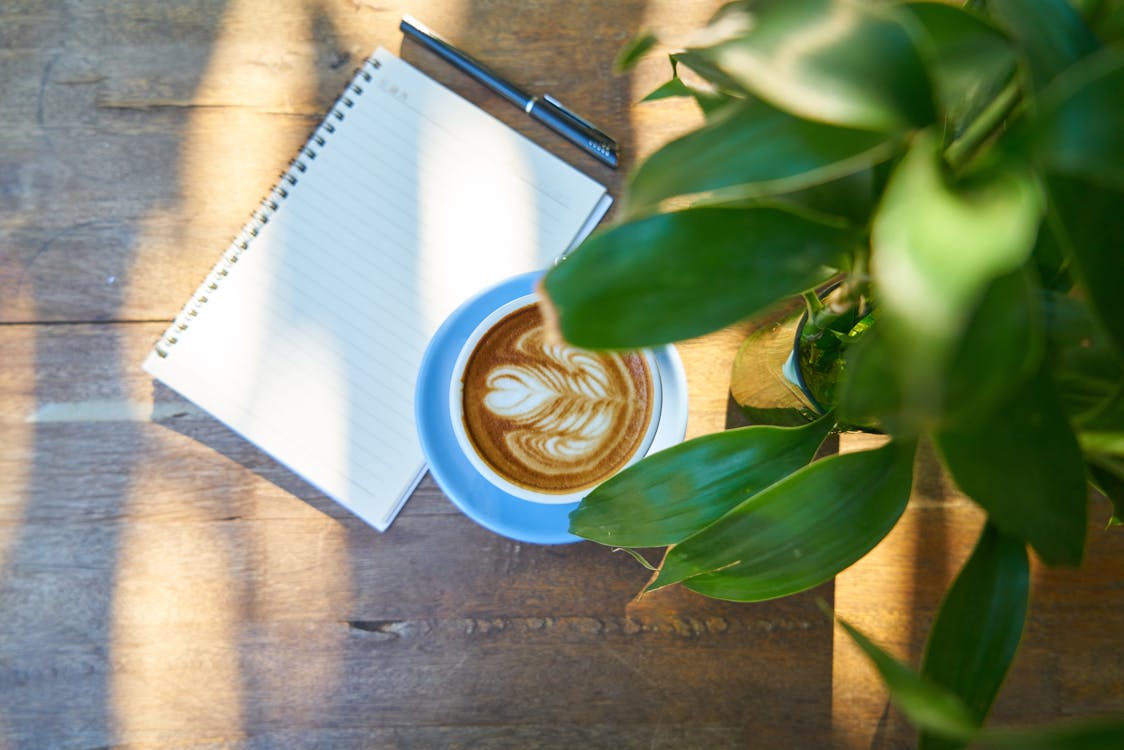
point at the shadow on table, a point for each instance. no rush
(91, 175)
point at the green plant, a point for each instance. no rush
(960, 169)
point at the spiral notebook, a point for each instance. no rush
(307, 335)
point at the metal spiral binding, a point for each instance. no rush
(260, 216)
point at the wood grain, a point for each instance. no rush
(164, 584)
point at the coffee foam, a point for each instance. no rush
(548, 416)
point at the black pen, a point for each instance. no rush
(546, 109)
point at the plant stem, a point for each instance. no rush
(985, 125)
(1108, 402)
(636, 556)
(813, 302)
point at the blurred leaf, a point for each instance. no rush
(1079, 129)
(1101, 733)
(1022, 463)
(711, 73)
(800, 531)
(753, 149)
(1002, 345)
(1109, 479)
(1050, 34)
(1107, 442)
(936, 248)
(709, 101)
(1051, 261)
(853, 197)
(1082, 361)
(634, 50)
(670, 90)
(1090, 222)
(978, 627)
(673, 276)
(870, 390)
(1086, 7)
(926, 704)
(970, 60)
(850, 199)
(1108, 413)
(844, 63)
(672, 494)
(1106, 471)
(1107, 21)
(939, 711)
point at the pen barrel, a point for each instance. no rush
(573, 129)
(467, 65)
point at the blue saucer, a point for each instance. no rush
(478, 498)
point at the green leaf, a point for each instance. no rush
(1022, 463)
(1050, 260)
(839, 62)
(711, 73)
(672, 494)
(1050, 34)
(940, 712)
(709, 101)
(799, 532)
(1082, 362)
(677, 275)
(969, 59)
(926, 704)
(1106, 473)
(670, 90)
(1090, 224)
(1101, 733)
(1109, 479)
(753, 149)
(1107, 20)
(1108, 442)
(978, 627)
(854, 197)
(936, 248)
(1003, 344)
(634, 50)
(1079, 129)
(870, 391)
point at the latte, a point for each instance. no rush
(548, 417)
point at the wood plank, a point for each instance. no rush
(210, 597)
(1064, 667)
(222, 540)
(127, 174)
(164, 584)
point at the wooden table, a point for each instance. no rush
(163, 584)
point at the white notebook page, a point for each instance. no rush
(309, 345)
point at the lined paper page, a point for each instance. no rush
(310, 345)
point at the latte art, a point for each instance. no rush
(549, 416)
(562, 400)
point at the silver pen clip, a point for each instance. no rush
(577, 118)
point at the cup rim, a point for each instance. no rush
(456, 399)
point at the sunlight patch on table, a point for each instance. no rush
(656, 123)
(876, 595)
(17, 459)
(177, 605)
(892, 594)
(110, 410)
(174, 635)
